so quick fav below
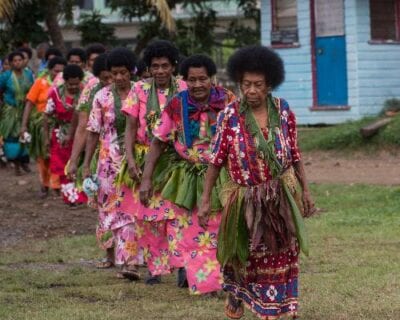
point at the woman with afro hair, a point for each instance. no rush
(262, 231)
(187, 125)
(106, 125)
(57, 123)
(146, 101)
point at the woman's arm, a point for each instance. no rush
(25, 117)
(130, 140)
(205, 207)
(91, 143)
(79, 143)
(308, 203)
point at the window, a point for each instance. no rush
(85, 4)
(385, 19)
(284, 22)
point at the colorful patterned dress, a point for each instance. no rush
(189, 128)
(14, 89)
(151, 221)
(270, 277)
(116, 227)
(59, 110)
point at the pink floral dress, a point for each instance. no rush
(150, 221)
(116, 227)
(189, 243)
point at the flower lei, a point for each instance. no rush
(153, 105)
(119, 122)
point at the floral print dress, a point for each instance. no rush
(151, 220)
(189, 244)
(116, 227)
(60, 109)
(269, 283)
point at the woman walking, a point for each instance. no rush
(262, 230)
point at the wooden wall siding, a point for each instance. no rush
(372, 70)
(378, 66)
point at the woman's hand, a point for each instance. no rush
(86, 172)
(308, 204)
(203, 214)
(145, 192)
(133, 171)
(71, 170)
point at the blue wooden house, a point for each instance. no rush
(342, 57)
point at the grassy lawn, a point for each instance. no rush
(352, 272)
(347, 137)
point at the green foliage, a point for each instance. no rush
(195, 35)
(24, 26)
(347, 136)
(391, 105)
(92, 29)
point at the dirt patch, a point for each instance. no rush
(23, 216)
(333, 167)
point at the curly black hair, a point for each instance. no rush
(198, 61)
(77, 52)
(96, 48)
(56, 60)
(52, 52)
(161, 49)
(28, 51)
(121, 57)
(72, 71)
(257, 59)
(141, 67)
(100, 64)
(14, 54)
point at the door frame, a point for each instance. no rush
(315, 106)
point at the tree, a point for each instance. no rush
(51, 10)
(92, 29)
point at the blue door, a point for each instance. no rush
(331, 71)
(330, 53)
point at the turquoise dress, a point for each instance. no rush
(14, 90)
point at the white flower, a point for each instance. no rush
(236, 129)
(72, 197)
(246, 174)
(242, 155)
(67, 188)
(230, 138)
(272, 292)
(50, 106)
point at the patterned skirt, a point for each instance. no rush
(268, 285)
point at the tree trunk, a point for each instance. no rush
(54, 28)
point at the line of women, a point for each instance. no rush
(185, 175)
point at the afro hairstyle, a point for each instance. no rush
(96, 48)
(198, 61)
(161, 49)
(52, 52)
(14, 54)
(28, 51)
(257, 59)
(121, 57)
(72, 71)
(56, 60)
(77, 52)
(100, 64)
(141, 67)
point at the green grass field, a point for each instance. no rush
(346, 137)
(353, 271)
